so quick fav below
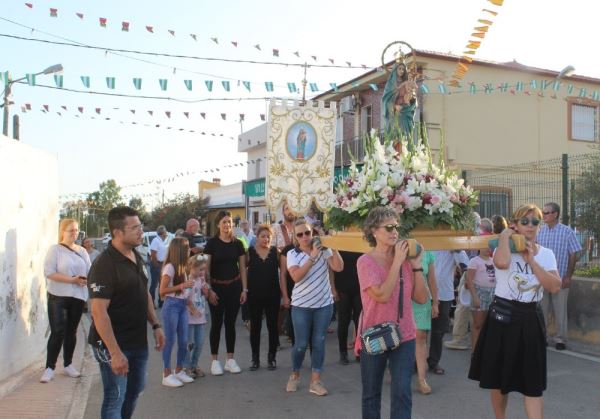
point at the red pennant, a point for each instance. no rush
(132, 111)
(241, 117)
(150, 29)
(275, 53)
(125, 26)
(46, 107)
(331, 60)
(168, 113)
(151, 113)
(80, 109)
(29, 5)
(203, 115)
(172, 32)
(28, 106)
(297, 54)
(234, 43)
(314, 57)
(102, 21)
(262, 116)
(98, 110)
(224, 116)
(64, 107)
(53, 12)
(79, 15)
(187, 114)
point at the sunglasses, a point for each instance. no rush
(534, 221)
(306, 233)
(390, 227)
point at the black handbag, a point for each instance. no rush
(384, 336)
(501, 311)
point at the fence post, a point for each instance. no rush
(565, 189)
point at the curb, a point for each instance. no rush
(88, 376)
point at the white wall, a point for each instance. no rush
(28, 226)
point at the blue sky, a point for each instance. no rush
(89, 151)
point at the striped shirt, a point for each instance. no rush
(312, 291)
(562, 241)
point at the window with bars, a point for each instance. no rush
(583, 121)
(366, 119)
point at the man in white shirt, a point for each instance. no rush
(158, 253)
(283, 231)
(445, 264)
(245, 231)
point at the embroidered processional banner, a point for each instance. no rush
(300, 155)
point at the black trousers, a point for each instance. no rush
(225, 311)
(349, 307)
(257, 306)
(439, 326)
(64, 314)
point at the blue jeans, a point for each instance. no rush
(196, 340)
(372, 368)
(154, 281)
(121, 391)
(310, 323)
(175, 324)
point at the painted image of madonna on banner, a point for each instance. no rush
(301, 141)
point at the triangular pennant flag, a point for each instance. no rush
(86, 81)
(482, 28)
(28, 106)
(262, 116)
(234, 43)
(269, 86)
(556, 85)
(209, 85)
(314, 57)
(150, 29)
(313, 87)
(473, 44)
(80, 109)
(163, 84)
(125, 26)
(203, 115)
(472, 88)
(595, 95)
(519, 86)
(29, 5)
(172, 32)
(491, 12)
(488, 88)
(480, 35)
(215, 40)
(582, 92)
(297, 54)
(79, 15)
(275, 52)
(242, 117)
(349, 63)
(151, 113)
(257, 46)
(543, 84)
(223, 116)
(110, 82)
(137, 83)
(331, 60)
(225, 84)
(496, 2)
(485, 22)
(334, 87)
(194, 37)
(533, 84)
(53, 12)
(58, 80)
(46, 108)
(98, 111)
(187, 115)
(373, 87)
(132, 111)
(188, 84)
(569, 89)
(424, 89)
(503, 87)
(102, 21)
(168, 113)
(292, 87)
(246, 84)
(442, 88)
(24, 109)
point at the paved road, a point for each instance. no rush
(573, 384)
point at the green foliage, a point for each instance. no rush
(587, 200)
(174, 213)
(590, 272)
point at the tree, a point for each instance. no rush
(587, 199)
(137, 204)
(174, 213)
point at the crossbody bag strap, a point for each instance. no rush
(71, 250)
(401, 297)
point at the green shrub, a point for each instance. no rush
(591, 271)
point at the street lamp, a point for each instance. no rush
(7, 91)
(566, 72)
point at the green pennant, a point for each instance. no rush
(58, 80)
(225, 84)
(110, 82)
(246, 85)
(30, 79)
(188, 84)
(209, 85)
(292, 87)
(86, 81)
(269, 86)
(334, 87)
(313, 87)
(137, 83)
(163, 84)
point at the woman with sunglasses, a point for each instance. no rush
(380, 274)
(312, 302)
(510, 354)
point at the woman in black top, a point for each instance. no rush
(264, 294)
(287, 284)
(349, 305)
(227, 267)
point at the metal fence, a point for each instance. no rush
(563, 180)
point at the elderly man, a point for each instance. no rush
(89, 247)
(246, 231)
(563, 242)
(158, 253)
(191, 233)
(283, 231)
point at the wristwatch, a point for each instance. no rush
(245, 290)
(156, 326)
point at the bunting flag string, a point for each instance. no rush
(462, 66)
(127, 26)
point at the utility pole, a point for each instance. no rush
(304, 81)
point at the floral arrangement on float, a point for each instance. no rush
(403, 176)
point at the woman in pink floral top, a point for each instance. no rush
(379, 278)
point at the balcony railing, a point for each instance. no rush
(349, 149)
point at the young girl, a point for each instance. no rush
(175, 288)
(197, 313)
(481, 281)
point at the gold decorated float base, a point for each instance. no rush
(430, 239)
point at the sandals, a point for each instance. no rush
(424, 388)
(438, 370)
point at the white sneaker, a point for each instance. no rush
(171, 381)
(232, 366)
(183, 377)
(216, 368)
(71, 371)
(47, 376)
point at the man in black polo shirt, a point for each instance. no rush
(121, 305)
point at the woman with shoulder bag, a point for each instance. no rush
(510, 354)
(388, 282)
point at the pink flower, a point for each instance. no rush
(435, 199)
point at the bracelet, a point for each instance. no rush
(417, 270)
(156, 326)
(245, 290)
